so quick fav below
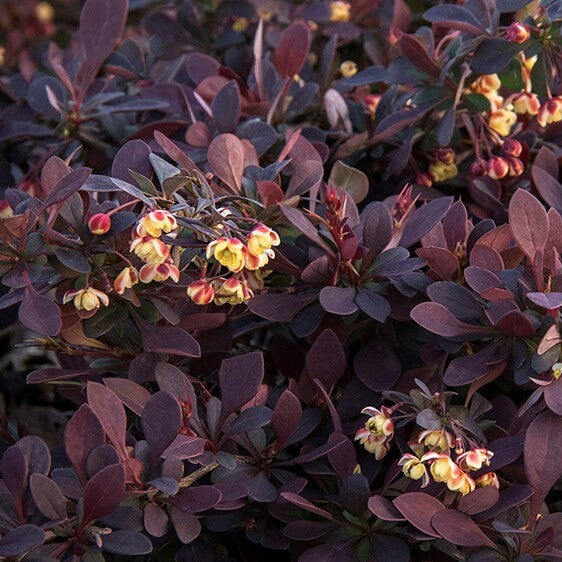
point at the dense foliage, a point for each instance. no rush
(298, 268)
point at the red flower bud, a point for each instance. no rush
(512, 147)
(99, 223)
(516, 167)
(445, 155)
(423, 178)
(518, 32)
(478, 167)
(498, 167)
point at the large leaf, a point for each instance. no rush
(349, 179)
(240, 378)
(528, 222)
(419, 508)
(227, 156)
(48, 497)
(21, 540)
(292, 49)
(39, 313)
(458, 528)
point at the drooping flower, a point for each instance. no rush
(128, 277)
(442, 466)
(475, 459)
(155, 223)
(550, 111)
(253, 262)
(228, 252)
(461, 482)
(86, 299)
(512, 147)
(150, 250)
(201, 292)
(413, 468)
(502, 120)
(159, 272)
(488, 479)
(439, 440)
(371, 103)
(377, 432)
(99, 224)
(229, 291)
(525, 103)
(261, 239)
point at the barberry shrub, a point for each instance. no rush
(298, 270)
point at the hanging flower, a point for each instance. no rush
(438, 440)
(261, 239)
(228, 291)
(550, 111)
(413, 468)
(526, 102)
(159, 272)
(228, 252)
(99, 223)
(502, 120)
(475, 459)
(340, 11)
(155, 223)
(128, 277)
(86, 299)
(150, 250)
(201, 292)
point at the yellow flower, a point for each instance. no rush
(228, 252)
(439, 440)
(486, 84)
(86, 299)
(261, 239)
(240, 24)
(159, 272)
(525, 102)
(348, 68)
(440, 171)
(44, 12)
(413, 468)
(229, 291)
(502, 120)
(442, 468)
(488, 479)
(340, 11)
(475, 459)
(550, 111)
(128, 277)
(462, 483)
(150, 250)
(155, 223)
(253, 262)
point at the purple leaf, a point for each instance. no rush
(338, 300)
(82, 435)
(299, 220)
(280, 307)
(437, 319)
(546, 300)
(528, 223)
(39, 313)
(292, 49)
(516, 324)
(250, 420)
(458, 528)
(161, 422)
(240, 378)
(133, 395)
(47, 497)
(187, 526)
(326, 359)
(36, 453)
(185, 447)
(100, 457)
(553, 396)
(509, 497)
(14, 470)
(549, 188)
(470, 368)
(167, 339)
(377, 366)
(543, 456)
(422, 220)
(286, 416)
(155, 520)
(479, 500)
(308, 530)
(197, 499)
(127, 543)
(372, 304)
(456, 298)
(377, 227)
(67, 186)
(225, 107)
(384, 509)
(21, 540)
(227, 156)
(103, 493)
(419, 508)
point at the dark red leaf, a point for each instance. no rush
(240, 378)
(39, 313)
(292, 50)
(458, 528)
(419, 508)
(48, 497)
(286, 416)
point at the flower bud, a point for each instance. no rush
(159, 272)
(423, 179)
(441, 172)
(525, 102)
(445, 155)
(128, 277)
(516, 167)
(518, 32)
(498, 167)
(371, 103)
(150, 250)
(229, 291)
(478, 167)
(512, 147)
(348, 68)
(99, 223)
(201, 292)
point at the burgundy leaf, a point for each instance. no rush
(167, 339)
(377, 227)
(292, 50)
(14, 470)
(338, 300)
(187, 526)
(103, 493)
(36, 453)
(326, 359)
(226, 107)
(470, 368)
(384, 509)
(127, 543)
(286, 416)
(437, 319)
(422, 220)
(479, 500)
(226, 156)
(419, 508)
(133, 395)
(39, 313)
(68, 185)
(377, 366)
(372, 304)
(553, 396)
(155, 520)
(21, 540)
(528, 223)
(280, 307)
(458, 528)
(240, 378)
(48, 497)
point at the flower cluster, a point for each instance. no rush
(378, 431)
(453, 473)
(244, 260)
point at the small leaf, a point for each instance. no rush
(458, 528)
(349, 179)
(292, 50)
(103, 493)
(226, 156)
(39, 313)
(240, 378)
(21, 540)
(48, 497)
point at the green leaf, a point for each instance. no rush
(480, 102)
(351, 180)
(104, 320)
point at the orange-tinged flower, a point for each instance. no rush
(5, 209)
(424, 179)
(442, 466)
(486, 84)
(550, 111)
(253, 262)
(229, 291)
(502, 120)
(488, 479)
(201, 292)
(340, 11)
(413, 468)
(498, 167)
(150, 250)
(371, 103)
(518, 32)
(228, 252)
(155, 223)
(348, 68)
(45, 12)
(475, 459)
(461, 482)
(159, 272)
(516, 167)
(128, 277)
(261, 239)
(526, 102)
(99, 223)
(86, 299)
(439, 440)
